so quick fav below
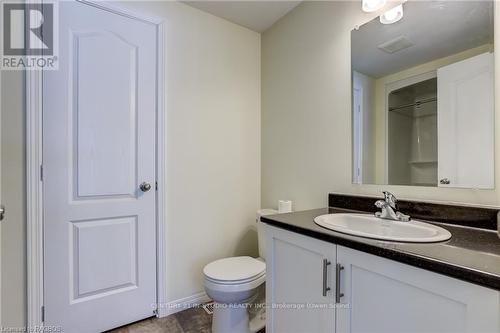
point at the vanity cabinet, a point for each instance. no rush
(387, 296)
(374, 294)
(299, 283)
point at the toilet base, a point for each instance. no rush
(230, 318)
(258, 321)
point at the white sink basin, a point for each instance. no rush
(369, 226)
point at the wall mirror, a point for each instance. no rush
(423, 96)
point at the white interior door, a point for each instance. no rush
(466, 123)
(99, 145)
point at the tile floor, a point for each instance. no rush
(194, 320)
(187, 321)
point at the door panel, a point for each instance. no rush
(105, 160)
(93, 276)
(99, 113)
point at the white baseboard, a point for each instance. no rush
(169, 308)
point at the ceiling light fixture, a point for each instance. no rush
(393, 15)
(372, 5)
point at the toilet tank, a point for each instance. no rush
(260, 230)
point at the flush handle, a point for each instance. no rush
(444, 181)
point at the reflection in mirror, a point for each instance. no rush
(412, 134)
(423, 96)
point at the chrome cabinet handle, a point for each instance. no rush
(338, 294)
(326, 289)
(145, 187)
(2, 212)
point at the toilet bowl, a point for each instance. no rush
(237, 287)
(232, 283)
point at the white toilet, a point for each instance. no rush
(237, 286)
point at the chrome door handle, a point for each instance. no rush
(145, 187)
(338, 294)
(326, 263)
(444, 181)
(2, 212)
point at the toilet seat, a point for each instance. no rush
(242, 281)
(234, 269)
(235, 287)
(235, 274)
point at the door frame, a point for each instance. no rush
(357, 127)
(1, 202)
(34, 173)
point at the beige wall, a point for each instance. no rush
(306, 111)
(213, 152)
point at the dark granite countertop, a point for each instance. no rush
(472, 254)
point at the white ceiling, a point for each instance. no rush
(436, 28)
(255, 15)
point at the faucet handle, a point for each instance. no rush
(403, 217)
(390, 199)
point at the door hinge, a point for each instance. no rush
(43, 313)
(156, 186)
(41, 172)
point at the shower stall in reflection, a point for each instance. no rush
(412, 135)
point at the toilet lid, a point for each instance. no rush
(234, 269)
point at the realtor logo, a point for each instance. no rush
(29, 35)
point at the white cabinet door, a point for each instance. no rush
(386, 296)
(298, 270)
(466, 123)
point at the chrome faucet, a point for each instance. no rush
(389, 210)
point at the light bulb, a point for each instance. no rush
(393, 15)
(372, 5)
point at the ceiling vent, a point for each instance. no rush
(395, 45)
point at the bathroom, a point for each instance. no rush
(254, 103)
